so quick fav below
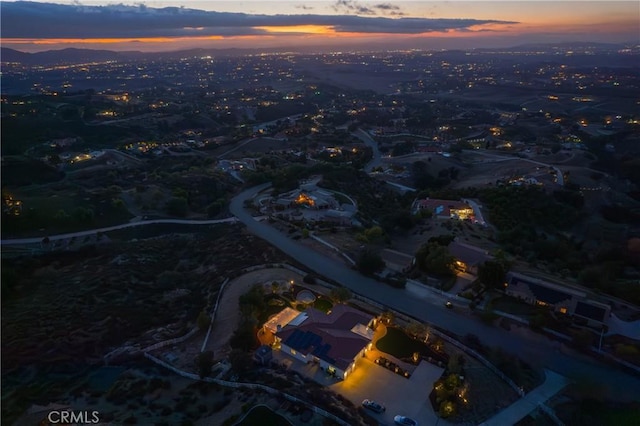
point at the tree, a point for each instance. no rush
(417, 330)
(387, 317)
(435, 259)
(240, 360)
(118, 203)
(61, 215)
(369, 262)
(455, 364)
(582, 339)
(177, 206)
(244, 338)
(169, 279)
(340, 294)
(374, 234)
(492, 274)
(54, 159)
(420, 175)
(215, 208)
(203, 320)
(204, 363)
(82, 214)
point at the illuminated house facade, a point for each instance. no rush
(444, 209)
(334, 340)
(467, 257)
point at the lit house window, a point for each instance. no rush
(563, 310)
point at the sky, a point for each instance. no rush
(165, 25)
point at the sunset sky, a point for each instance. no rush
(161, 25)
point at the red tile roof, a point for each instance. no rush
(441, 207)
(328, 336)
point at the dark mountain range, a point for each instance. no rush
(64, 56)
(78, 56)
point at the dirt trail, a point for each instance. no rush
(228, 316)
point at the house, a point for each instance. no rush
(316, 199)
(561, 299)
(595, 313)
(334, 340)
(339, 217)
(444, 209)
(538, 292)
(467, 257)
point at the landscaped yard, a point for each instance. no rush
(398, 344)
(513, 306)
(263, 416)
(274, 305)
(322, 304)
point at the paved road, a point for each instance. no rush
(364, 137)
(534, 349)
(19, 241)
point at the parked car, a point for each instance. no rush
(404, 421)
(373, 406)
(449, 305)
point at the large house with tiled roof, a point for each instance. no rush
(334, 340)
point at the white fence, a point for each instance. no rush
(213, 314)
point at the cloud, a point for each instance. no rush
(47, 20)
(351, 6)
(386, 6)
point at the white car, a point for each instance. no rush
(404, 421)
(373, 406)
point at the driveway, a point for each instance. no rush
(408, 397)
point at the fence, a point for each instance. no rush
(331, 246)
(213, 315)
(257, 386)
(551, 413)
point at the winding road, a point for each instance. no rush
(559, 174)
(18, 241)
(376, 160)
(532, 348)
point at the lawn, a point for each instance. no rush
(513, 306)
(263, 416)
(398, 344)
(274, 305)
(323, 305)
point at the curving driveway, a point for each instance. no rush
(533, 348)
